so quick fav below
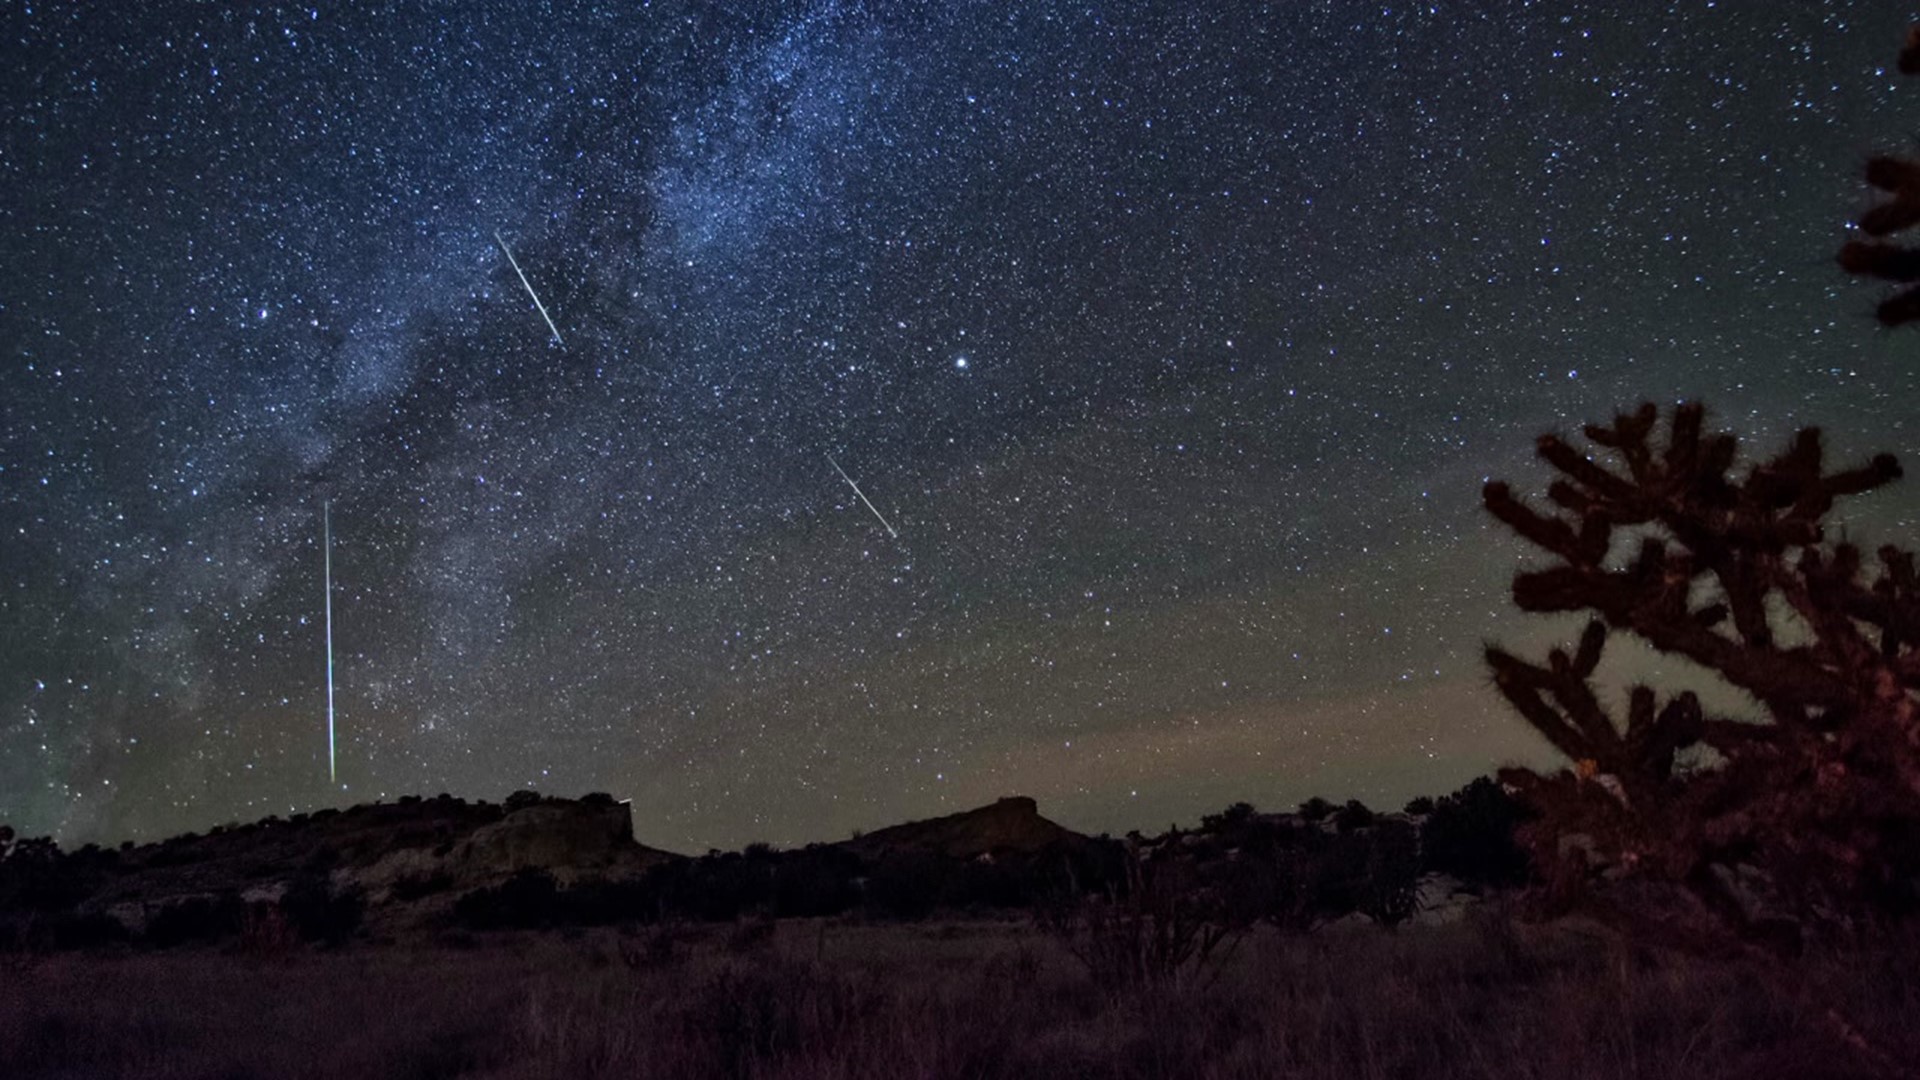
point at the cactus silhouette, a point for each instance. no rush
(1754, 831)
(1900, 178)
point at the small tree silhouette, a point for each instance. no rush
(1805, 821)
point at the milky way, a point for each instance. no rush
(1174, 340)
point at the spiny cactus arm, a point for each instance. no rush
(1531, 691)
(1892, 604)
(1654, 738)
(1821, 593)
(1650, 601)
(1559, 702)
(1732, 737)
(1892, 174)
(1628, 436)
(1797, 483)
(1601, 487)
(1900, 179)
(1737, 533)
(1785, 679)
(1888, 262)
(1896, 214)
(1552, 533)
(1682, 454)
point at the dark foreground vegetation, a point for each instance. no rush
(1486, 997)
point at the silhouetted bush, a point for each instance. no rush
(416, 887)
(816, 882)
(1470, 834)
(527, 900)
(906, 886)
(320, 913)
(92, 930)
(604, 903)
(195, 920)
(1354, 815)
(36, 877)
(1392, 873)
(1228, 820)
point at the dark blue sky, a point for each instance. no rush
(1174, 339)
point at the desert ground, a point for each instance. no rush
(986, 997)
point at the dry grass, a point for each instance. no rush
(962, 999)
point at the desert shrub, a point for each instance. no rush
(816, 882)
(86, 931)
(527, 900)
(1354, 815)
(1472, 835)
(907, 885)
(266, 930)
(522, 799)
(1316, 809)
(1000, 884)
(603, 903)
(752, 934)
(1348, 874)
(1392, 873)
(417, 886)
(655, 948)
(318, 912)
(35, 876)
(195, 920)
(1164, 928)
(726, 886)
(746, 1019)
(1229, 820)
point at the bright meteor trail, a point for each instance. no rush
(515, 263)
(863, 497)
(326, 526)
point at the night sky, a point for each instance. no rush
(1175, 340)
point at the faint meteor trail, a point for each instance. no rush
(515, 263)
(326, 525)
(863, 497)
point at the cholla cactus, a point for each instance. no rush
(1805, 819)
(1900, 179)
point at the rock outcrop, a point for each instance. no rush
(406, 860)
(571, 841)
(1011, 824)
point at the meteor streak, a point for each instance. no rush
(326, 520)
(863, 497)
(515, 263)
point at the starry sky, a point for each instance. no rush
(1173, 340)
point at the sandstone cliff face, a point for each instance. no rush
(551, 836)
(569, 840)
(411, 857)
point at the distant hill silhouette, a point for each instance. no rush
(1009, 825)
(423, 865)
